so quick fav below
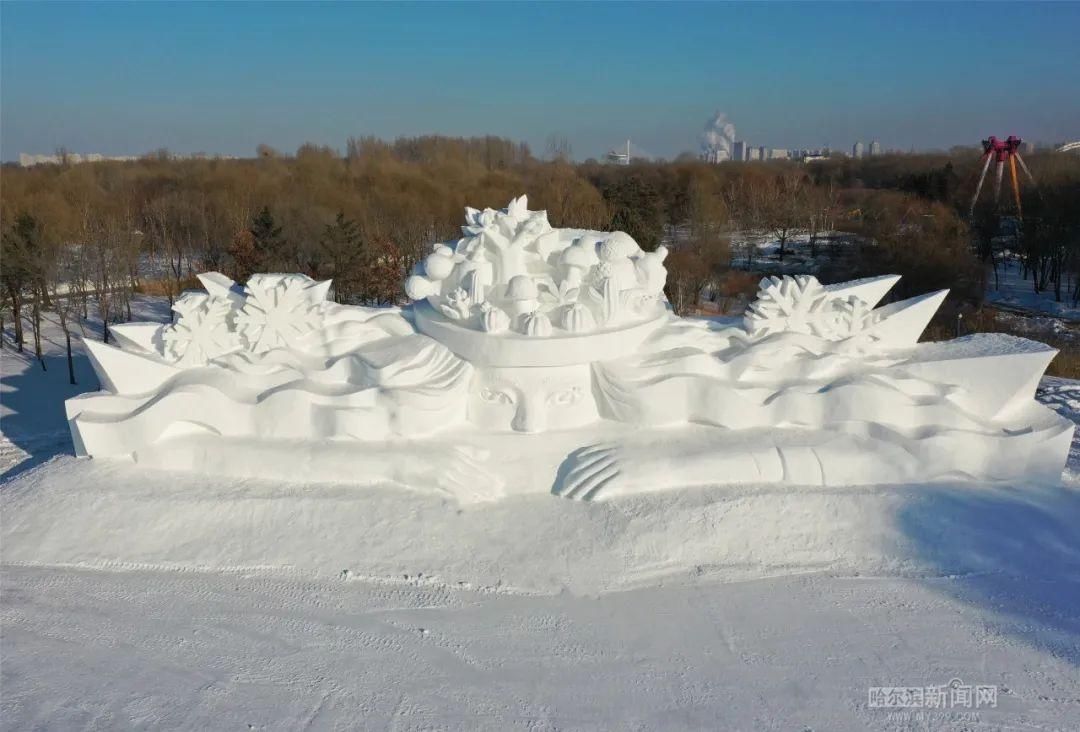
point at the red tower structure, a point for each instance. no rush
(1002, 151)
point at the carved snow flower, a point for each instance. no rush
(552, 296)
(201, 333)
(518, 208)
(791, 304)
(276, 312)
(850, 318)
(458, 305)
(477, 221)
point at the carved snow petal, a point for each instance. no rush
(518, 207)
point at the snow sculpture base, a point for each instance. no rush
(540, 359)
(516, 350)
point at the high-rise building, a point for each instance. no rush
(763, 152)
(753, 153)
(857, 149)
(715, 155)
(738, 150)
(875, 148)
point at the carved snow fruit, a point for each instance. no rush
(492, 319)
(578, 319)
(536, 325)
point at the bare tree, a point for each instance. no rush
(110, 242)
(697, 262)
(558, 147)
(63, 296)
(821, 207)
(783, 206)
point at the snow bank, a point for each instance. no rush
(113, 515)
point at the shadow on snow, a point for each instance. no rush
(1012, 551)
(34, 420)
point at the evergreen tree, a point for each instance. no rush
(268, 243)
(17, 273)
(343, 246)
(637, 209)
(23, 275)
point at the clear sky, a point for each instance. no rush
(126, 78)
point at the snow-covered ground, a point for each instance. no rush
(1014, 291)
(135, 598)
(759, 251)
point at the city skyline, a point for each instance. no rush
(221, 79)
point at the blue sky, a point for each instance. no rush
(126, 78)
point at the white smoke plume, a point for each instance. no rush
(717, 138)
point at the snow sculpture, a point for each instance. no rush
(532, 341)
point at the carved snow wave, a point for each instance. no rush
(261, 393)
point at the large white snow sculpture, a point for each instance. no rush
(519, 329)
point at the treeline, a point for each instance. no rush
(97, 233)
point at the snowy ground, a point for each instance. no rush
(760, 251)
(1015, 292)
(139, 599)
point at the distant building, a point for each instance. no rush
(778, 154)
(875, 148)
(857, 150)
(738, 150)
(753, 153)
(763, 153)
(28, 161)
(619, 157)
